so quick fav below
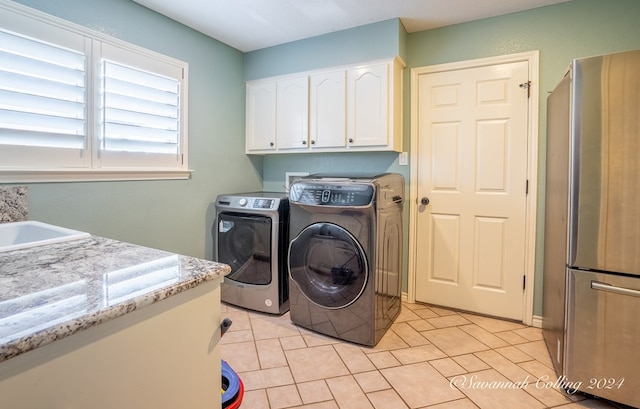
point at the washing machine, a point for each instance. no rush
(252, 236)
(345, 254)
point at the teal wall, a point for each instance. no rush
(365, 43)
(172, 215)
(561, 32)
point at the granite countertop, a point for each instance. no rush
(50, 292)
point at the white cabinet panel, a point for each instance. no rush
(368, 105)
(328, 109)
(292, 113)
(261, 116)
(165, 355)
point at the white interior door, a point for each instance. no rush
(472, 167)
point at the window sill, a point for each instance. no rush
(93, 175)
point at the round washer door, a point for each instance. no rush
(328, 265)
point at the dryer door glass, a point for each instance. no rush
(328, 265)
(244, 243)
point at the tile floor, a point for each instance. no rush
(430, 358)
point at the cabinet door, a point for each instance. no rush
(261, 117)
(368, 105)
(328, 110)
(292, 124)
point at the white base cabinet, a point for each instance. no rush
(341, 109)
(165, 356)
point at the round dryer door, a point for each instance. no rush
(244, 243)
(328, 265)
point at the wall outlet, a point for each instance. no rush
(403, 159)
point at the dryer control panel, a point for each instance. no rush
(319, 194)
(262, 202)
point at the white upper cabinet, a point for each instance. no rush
(261, 117)
(368, 105)
(349, 108)
(292, 113)
(374, 106)
(328, 109)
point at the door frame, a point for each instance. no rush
(532, 57)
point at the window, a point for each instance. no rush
(79, 105)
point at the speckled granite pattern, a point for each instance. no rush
(50, 292)
(13, 204)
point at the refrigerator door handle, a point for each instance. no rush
(596, 285)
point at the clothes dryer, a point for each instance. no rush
(345, 254)
(251, 236)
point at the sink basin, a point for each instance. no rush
(22, 235)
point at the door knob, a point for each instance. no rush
(424, 201)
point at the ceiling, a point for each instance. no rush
(249, 25)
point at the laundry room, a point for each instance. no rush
(332, 255)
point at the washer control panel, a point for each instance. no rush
(352, 194)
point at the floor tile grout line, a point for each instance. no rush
(475, 372)
(525, 347)
(514, 381)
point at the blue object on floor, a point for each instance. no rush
(232, 388)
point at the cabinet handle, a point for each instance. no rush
(313, 142)
(271, 144)
(304, 142)
(350, 140)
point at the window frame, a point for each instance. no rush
(122, 165)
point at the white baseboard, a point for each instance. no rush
(537, 321)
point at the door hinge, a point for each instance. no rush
(524, 282)
(527, 86)
(526, 187)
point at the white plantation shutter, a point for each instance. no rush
(141, 111)
(76, 102)
(42, 94)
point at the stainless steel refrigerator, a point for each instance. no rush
(591, 288)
